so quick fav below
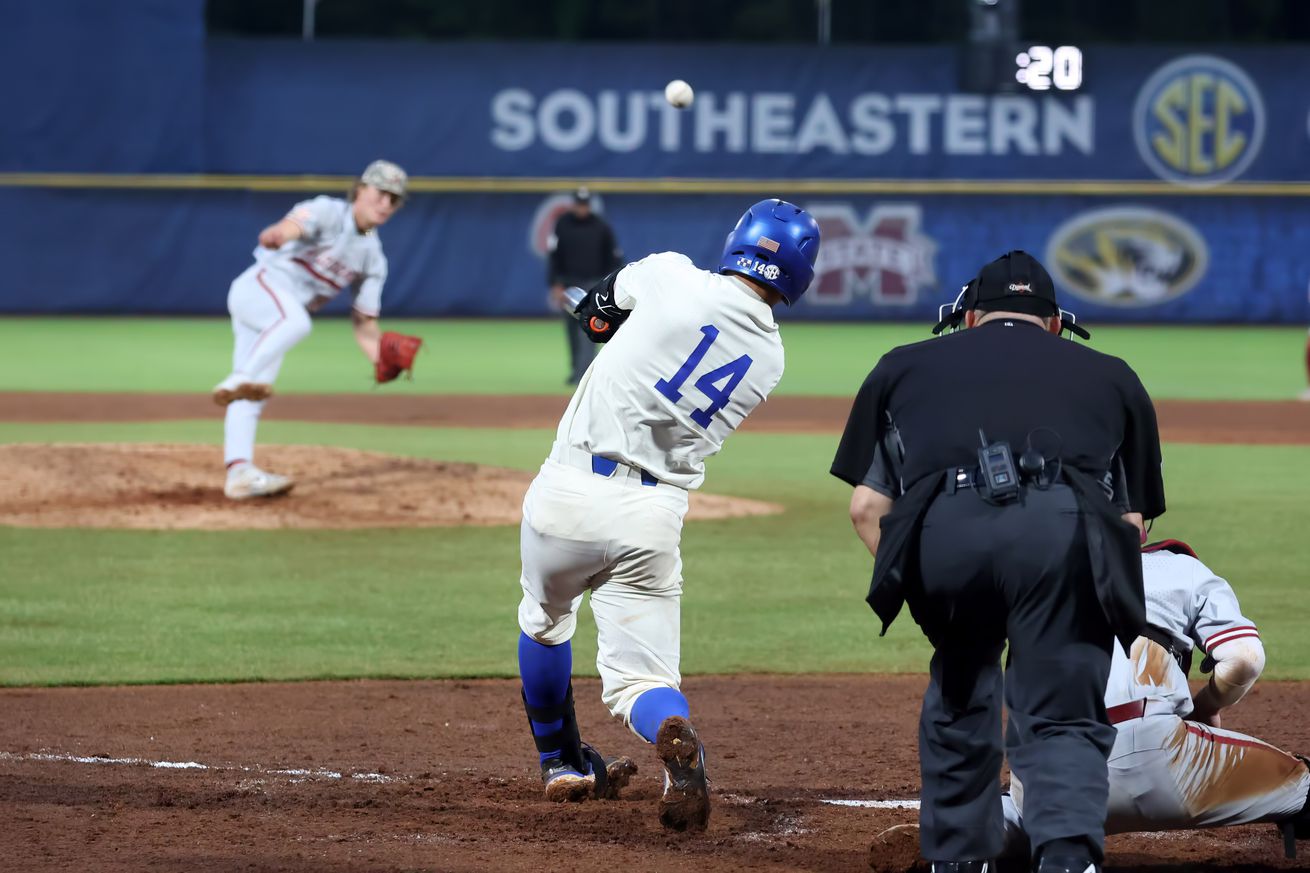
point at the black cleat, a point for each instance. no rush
(618, 772)
(963, 867)
(685, 805)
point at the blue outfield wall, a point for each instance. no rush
(1201, 116)
(142, 101)
(1149, 259)
(1127, 188)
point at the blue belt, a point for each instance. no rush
(606, 467)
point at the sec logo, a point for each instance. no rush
(1199, 121)
(1127, 256)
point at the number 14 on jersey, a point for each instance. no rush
(717, 384)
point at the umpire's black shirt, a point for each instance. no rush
(584, 250)
(1011, 378)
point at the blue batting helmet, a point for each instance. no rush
(775, 244)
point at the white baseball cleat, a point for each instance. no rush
(1305, 395)
(239, 387)
(247, 480)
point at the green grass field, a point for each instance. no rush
(526, 357)
(777, 594)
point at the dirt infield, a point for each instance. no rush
(176, 487)
(809, 772)
(441, 776)
(1253, 421)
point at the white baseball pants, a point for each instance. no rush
(1166, 773)
(618, 539)
(1171, 774)
(266, 323)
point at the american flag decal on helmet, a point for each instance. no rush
(766, 243)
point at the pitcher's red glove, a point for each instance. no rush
(396, 354)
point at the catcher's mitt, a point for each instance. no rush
(396, 354)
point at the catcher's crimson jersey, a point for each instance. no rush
(698, 353)
(331, 256)
(1196, 606)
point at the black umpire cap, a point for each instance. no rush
(1014, 282)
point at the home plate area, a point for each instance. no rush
(810, 773)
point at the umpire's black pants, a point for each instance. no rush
(581, 349)
(1018, 572)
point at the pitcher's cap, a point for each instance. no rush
(385, 176)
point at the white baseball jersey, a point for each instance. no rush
(698, 353)
(330, 256)
(1196, 606)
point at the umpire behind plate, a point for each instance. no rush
(993, 470)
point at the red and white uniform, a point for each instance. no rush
(1170, 773)
(270, 303)
(329, 257)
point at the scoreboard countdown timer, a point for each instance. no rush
(1043, 67)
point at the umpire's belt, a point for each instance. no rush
(960, 478)
(606, 467)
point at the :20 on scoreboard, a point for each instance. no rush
(1044, 67)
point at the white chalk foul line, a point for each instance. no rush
(296, 773)
(875, 804)
(299, 774)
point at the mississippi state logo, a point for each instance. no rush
(1127, 256)
(1199, 121)
(883, 258)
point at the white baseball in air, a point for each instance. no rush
(679, 94)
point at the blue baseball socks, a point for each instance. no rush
(652, 707)
(546, 672)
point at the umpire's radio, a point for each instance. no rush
(998, 479)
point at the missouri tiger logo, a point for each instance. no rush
(1199, 120)
(1127, 256)
(883, 257)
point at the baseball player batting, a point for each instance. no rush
(322, 247)
(688, 354)
(1172, 766)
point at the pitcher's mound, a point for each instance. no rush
(155, 486)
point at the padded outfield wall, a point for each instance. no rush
(1175, 186)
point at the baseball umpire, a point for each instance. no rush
(984, 467)
(583, 249)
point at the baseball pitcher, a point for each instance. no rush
(688, 354)
(322, 247)
(1172, 766)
